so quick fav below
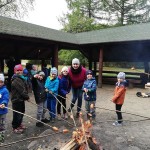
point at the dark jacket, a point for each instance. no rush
(90, 84)
(18, 89)
(64, 85)
(39, 90)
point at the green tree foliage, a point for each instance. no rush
(112, 12)
(65, 57)
(15, 8)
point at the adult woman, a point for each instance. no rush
(77, 74)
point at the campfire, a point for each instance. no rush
(82, 138)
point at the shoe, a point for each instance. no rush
(45, 120)
(77, 115)
(39, 124)
(53, 120)
(117, 124)
(22, 126)
(65, 116)
(59, 117)
(18, 130)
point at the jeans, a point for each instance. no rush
(51, 105)
(77, 94)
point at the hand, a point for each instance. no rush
(50, 92)
(46, 90)
(2, 106)
(28, 100)
(85, 90)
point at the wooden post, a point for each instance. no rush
(55, 57)
(95, 68)
(100, 68)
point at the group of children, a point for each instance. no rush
(50, 94)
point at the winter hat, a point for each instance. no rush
(25, 71)
(18, 67)
(89, 72)
(121, 75)
(54, 70)
(2, 77)
(65, 68)
(41, 73)
(75, 61)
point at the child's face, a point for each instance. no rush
(19, 72)
(1, 83)
(65, 72)
(120, 80)
(40, 77)
(54, 75)
(89, 76)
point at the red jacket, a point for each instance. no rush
(119, 93)
(77, 79)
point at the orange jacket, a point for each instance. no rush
(119, 93)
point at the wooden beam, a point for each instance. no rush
(100, 68)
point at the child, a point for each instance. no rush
(64, 88)
(89, 87)
(40, 97)
(18, 96)
(119, 95)
(4, 99)
(51, 85)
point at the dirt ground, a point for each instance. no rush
(133, 135)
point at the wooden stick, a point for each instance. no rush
(30, 138)
(54, 128)
(50, 112)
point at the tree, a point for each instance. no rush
(65, 57)
(113, 12)
(15, 8)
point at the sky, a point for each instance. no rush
(46, 13)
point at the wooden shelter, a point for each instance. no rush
(23, 40)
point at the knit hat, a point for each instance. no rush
(65, 68)
(25, 71)
(18, 67)
(121, 75)
(54, 70)
(89, 72)
(2, 77)
(41, 73)
(75, 61)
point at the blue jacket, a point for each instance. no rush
(52, 85)
(90, 84)
(4, 99)
(64, 85)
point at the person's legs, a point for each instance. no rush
(17, 118)
(79, 105)
(74, 97)
(59, 106)
(2, 122)
(119, 114)
(53, 108)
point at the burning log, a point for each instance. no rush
(82, 138)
